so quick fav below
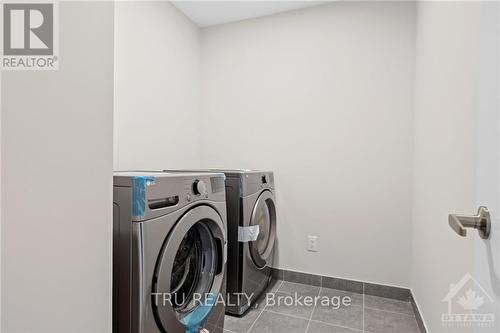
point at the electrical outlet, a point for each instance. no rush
(312, 243)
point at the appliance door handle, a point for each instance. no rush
(221, 255)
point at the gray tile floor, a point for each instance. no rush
(366, 313)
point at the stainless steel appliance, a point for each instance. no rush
(169, 252)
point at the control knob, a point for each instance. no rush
(199, 187)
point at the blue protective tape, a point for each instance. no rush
(139, 184)
(195, 320)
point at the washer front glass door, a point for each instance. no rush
(189, 271)
(194, 268)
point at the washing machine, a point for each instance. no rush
(169, 252)
(251, 217)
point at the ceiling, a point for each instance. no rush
(207, 13)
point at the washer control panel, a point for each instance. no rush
(153, 194)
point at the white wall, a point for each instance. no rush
(445, 149)
(487, 252)
(324, 97)
(157, 87)
(56, 182)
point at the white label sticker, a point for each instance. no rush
(248, 234)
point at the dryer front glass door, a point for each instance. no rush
(190, 270)
(263, 215)
(263, 220)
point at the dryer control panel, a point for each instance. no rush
(256, 181)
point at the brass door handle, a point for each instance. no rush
(481, 222)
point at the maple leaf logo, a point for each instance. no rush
(470, 301)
